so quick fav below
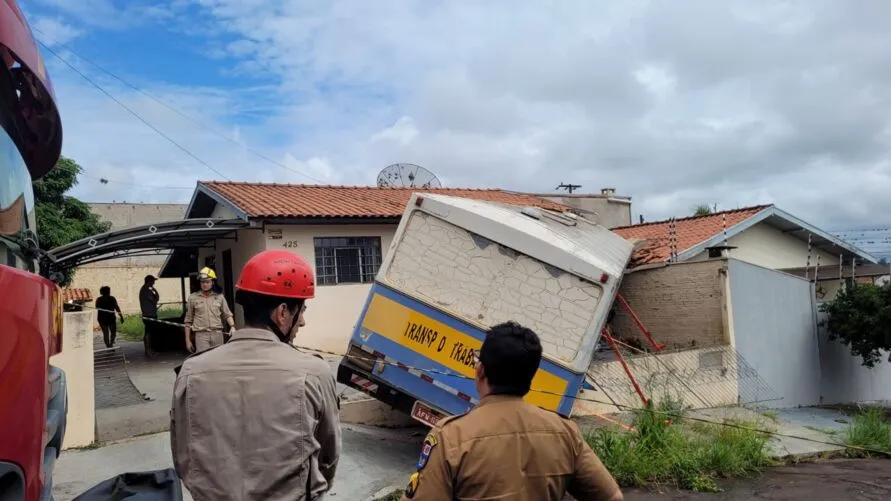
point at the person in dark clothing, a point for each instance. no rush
(148, 303)
(107, 305)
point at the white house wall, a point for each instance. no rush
(332, 314)
(774, 322)
(249, 242)
(766, 246)
(845, 380)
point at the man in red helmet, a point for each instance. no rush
(255, 418)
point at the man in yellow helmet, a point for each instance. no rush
(206, 313)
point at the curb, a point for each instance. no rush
(385, 492)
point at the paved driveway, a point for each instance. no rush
(372, 459)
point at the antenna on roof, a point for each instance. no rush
(407, 176)
(568, 187)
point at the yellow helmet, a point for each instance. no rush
(206, 273)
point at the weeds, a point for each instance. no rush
(393, 496)
(869, 429)
(770, 414)
(662, 450)
(133, 329)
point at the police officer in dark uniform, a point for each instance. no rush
(505, 448)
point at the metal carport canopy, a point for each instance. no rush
(146, 240)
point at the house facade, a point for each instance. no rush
(343, 231)
(762, 235)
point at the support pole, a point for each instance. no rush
(640, 325)
(612, 343)
(182, 289)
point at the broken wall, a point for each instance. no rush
(683, 305)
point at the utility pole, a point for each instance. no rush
(568, 187)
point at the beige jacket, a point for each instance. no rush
(508, 449)
(255, 419)
(207, 312)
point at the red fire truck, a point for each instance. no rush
(33, 393)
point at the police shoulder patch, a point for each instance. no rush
(429, 443)
(412, 486)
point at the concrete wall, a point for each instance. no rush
(769, 247)
(682, 304)
(332, 314)
(124, 215)
(76, 360)
(698, 378)
(125, 282)
(125, 275)
(775, 333)
(844, 378)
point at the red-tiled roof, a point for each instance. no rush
(323, 201)
(69, 295)
(689, 231)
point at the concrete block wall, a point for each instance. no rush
(125, 282)
(683, 305)
(700, 378)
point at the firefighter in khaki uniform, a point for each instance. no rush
(205, 312)
(505, 448)
(256, 419)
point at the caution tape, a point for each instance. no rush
(622, 407)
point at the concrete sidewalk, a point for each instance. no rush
(800, 432)
(155, 378)
(372, 459)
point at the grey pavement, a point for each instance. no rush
(372, 459)
(155, 377)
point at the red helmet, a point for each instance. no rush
(278, 273)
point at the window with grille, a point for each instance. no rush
(347, 260)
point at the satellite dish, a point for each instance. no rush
(407, 176)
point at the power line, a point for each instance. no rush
(136, 115)
(183, 115)
(863, 230)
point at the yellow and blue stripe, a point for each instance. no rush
(417, 335)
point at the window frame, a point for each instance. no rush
(328, 272)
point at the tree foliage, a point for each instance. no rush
(860, 317)
(61, 218)
(702, 210)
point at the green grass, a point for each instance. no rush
(664, 449)
(133, 329)
(869, 429)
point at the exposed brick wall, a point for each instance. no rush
(682, 305)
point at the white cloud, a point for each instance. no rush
(54, 31)
(674, 103)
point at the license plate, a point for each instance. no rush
(425, 414)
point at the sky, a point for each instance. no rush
(680, 103)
